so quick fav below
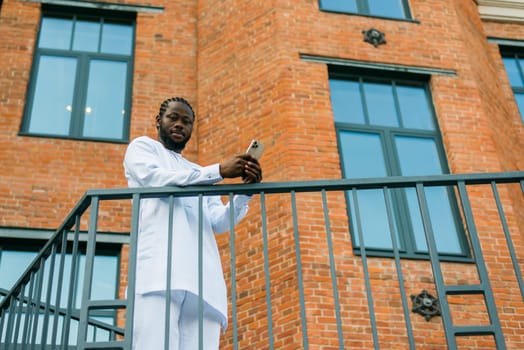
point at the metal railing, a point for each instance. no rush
(297, 277)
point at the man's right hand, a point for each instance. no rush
(244, 166)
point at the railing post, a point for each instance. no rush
(26, 308)
(131, 273)
(88, 274)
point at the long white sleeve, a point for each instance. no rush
(147, 164)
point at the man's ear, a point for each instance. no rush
(157, 121)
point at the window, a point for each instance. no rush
(17, 254)
(81, 80)
(386, 127)
(380, 8)
(514, 63)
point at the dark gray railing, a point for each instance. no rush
(295, 304)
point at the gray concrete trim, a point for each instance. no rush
(380, 66)
(506, 42)
(102, 5)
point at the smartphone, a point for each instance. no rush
(255, 149)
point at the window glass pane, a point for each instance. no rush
(98, 333)
(346, 101)
(373, 219)
(337, 5)
(418, 156)
(520, 103)
(80, 75)
(104, 278)
(12, 265)
(389, 8)
(442, 220)
(105, 283)
(55, 33)
(515, 78)
(66, 283)
(380, 104)
(53, 96)
(362, 155)
(86, 36)
(105, 271)
(117, 39)
(414, 108)
(104, 114)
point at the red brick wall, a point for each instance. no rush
(238, 63)
(42, 178)
(263, 44)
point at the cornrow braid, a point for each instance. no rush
(164, 104)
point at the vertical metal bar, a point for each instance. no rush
(232, 254)
(10, 320)
(20, 313)
(131, 278)
(305, 339)
(27, 324)
(392, 231)
(40, 280)
(38, 296)
(332, 270)
(88, 274)
(169, 263)
(3, 313)
(481, 266)
(48, 294)
(267, 277)
(509, 241)
(435, 266)
(200, 274)
(63, 252)
(365, 268)
(72, 286)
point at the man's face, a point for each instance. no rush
(175, 126)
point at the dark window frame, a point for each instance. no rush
(80, 83)
(516, 53)
(102, 249)
(400, 205)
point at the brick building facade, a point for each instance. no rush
(269, 69)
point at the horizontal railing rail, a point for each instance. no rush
(324, 280)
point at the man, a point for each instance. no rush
(150, 162)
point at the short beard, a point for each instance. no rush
(169, 143)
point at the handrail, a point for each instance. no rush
(416, 183)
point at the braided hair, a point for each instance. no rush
(164, 104)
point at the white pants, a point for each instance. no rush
(149, 323)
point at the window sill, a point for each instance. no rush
(73, 138)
